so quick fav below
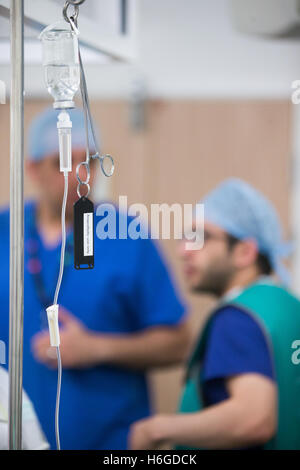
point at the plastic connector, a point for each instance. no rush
(64, 126)
(52, 314)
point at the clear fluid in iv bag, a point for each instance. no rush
(62, 81)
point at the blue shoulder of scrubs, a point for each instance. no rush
(237, 339)
(153, 296)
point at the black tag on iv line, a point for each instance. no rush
(83, 234)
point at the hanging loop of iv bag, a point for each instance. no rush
(61, 63)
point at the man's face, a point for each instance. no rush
(50, 181)
(210, 268)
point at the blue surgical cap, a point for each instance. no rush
(243, 212)
(43, 136)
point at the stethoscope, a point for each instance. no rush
(35, 268)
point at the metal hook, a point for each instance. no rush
(88, 189)
(87, 168)
(74, 17)
(75, 2)
(102, 160)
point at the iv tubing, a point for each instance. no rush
(61, 270)
(63, 243)
(64, 126)
(59, 374)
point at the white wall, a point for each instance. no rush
(188, 48)
(195, 51)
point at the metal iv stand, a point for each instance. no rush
(16, 258)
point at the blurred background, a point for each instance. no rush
(208, 96)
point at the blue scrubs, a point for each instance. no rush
(128, 290)
(236, 345)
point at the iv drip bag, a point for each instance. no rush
(61, 62)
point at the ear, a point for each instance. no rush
(31, 170)
(245, 253)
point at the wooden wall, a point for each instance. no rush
(185, 149)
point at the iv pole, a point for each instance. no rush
(16, 259)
